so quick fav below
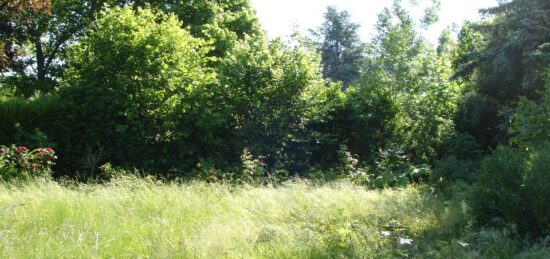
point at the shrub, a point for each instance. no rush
(462, 146)
(266, 91)
(34, 122)
(391, 168)
(349, 168)
(19, 163)
(41, 121)
(253, 168)
(452, 169)
(531, 121)
(137, 81)
(514, 187)
(496, 192)
(359, 118)
(536, 189)
(478, 115)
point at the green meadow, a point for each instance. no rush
(140, 218)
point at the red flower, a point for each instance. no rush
(22, 149)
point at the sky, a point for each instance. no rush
(280, 17)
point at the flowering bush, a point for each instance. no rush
(22, 163)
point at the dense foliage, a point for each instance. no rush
(269, 99)
(14, 17)
(505, 57)
(338, 42)
(194, 89)
(521, 193)
(131, 80)
(46, 29)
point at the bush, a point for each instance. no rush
(514, 187)
(267, 88)
(19, 163)
(530, 122)
(359, 118)
(391, 168)
(349, 168)
(478, 115)
(32, 122)
(137, 81)
(496, 193)
(536, 189)
(450, 170)
(462, 146)
(41, 121)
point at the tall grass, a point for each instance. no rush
(139, 218)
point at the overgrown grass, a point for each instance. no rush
(131, 218)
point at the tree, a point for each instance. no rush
(530, 123)
(14, 16)
(340, 47)
(45, 36)
(505, 57)
(135, 81)
(267, 85)
(417, 80)
(360, 118)
(224, 22)
(391, 55)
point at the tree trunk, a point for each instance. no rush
(40, 65)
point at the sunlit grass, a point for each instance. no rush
(139, 218)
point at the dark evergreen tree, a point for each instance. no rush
(506, 58)
(341, 49)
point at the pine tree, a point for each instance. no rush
(341, 49)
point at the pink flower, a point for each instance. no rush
(22, 149)
(45, 150)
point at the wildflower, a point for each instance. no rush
(463, 244)
(405, 241)
(22, 149)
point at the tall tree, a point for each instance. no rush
(46, 35)
(508, 59)
(14, 16)
(136, 79)
(417, 79)
(224, 22)
(393, 50)
(341, 49)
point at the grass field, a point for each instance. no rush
(143, 219)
